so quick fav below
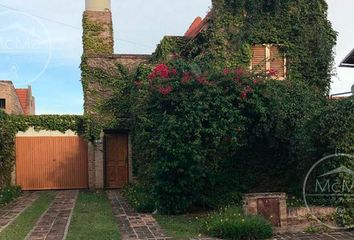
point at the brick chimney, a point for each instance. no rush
(98, 28)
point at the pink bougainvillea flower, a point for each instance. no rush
(166, 90)
(240, 71)
(248, 89)
(237, 79)
(202, 80)
(272, 72)
(160, 70)
(186, 78)
(173, 71)
(152, 76)
(226, 71)
(243, 95)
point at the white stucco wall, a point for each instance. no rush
(31, 132)
(98, 5)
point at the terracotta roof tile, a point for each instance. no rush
(193, 27)
(24, 99)
(197, 26)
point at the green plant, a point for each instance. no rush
(9, 193)
(93, 218)
(313, 229)
(335, 134)
(140, 197)
(181, 226)
(6, 149)
(231, 223)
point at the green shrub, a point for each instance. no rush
(7, 143)
(140, 197)
(230, 223)
(9, 193)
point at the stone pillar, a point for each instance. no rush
(13, 175)
(252, 201)
(99, 166)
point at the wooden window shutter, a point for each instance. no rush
(277, 62)
(259, 57)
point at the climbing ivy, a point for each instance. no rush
(93, 37)
(168, 47)
(299, 27)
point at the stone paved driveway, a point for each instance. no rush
(132, 225)
(54, 223)
(11, 211)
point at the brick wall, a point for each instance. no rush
(105, 35)
(8, 92)
(96, 91)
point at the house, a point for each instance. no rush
(110, 158)
(348, 62)
(17, 101)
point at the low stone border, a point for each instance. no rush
(316, 236)
(10, 212)
(134, 226)
(54, 223)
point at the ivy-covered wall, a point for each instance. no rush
(103, 72)
(98, 32)
(299, 27)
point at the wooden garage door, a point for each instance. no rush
(51, 163)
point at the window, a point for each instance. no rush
(2, 103)
(267, 58)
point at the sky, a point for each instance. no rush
(41, 45)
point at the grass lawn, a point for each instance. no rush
(26, 221)
(93, 218)
(179, 227)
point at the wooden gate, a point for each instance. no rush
(44, 163)
(270, 210)
(117, 163)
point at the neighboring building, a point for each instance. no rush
(16, 101)
(348, 61)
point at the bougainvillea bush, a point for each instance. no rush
(194, 124)
(201, 139)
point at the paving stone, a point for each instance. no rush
(134, 226)
(54, 223)
(11, 211)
